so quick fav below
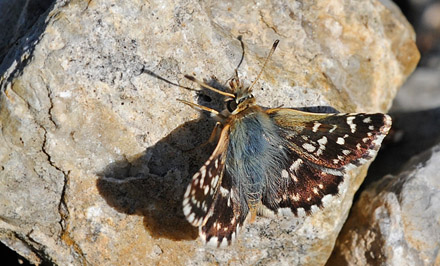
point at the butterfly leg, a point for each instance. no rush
(214, 136)
(215, 132)
(253, 213)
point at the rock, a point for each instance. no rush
(97, 152)
(396, 220)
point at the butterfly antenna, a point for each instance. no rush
(242, 56)
(203, 84)
(274, 46)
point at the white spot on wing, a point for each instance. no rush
(295, 165)
(295, 179)
(367, 120)
(351, 124)
(333, 128)
(264, 211)
(224, 242)
(196, 175)
(213, 241)
(340, 141)
(301, 212)
(314, 208)
(285, 212)
(315, 190)
(202, 172)
(224, 191)
(284, 173)
(191, 217)
(188, 190)
(185, 201)
(295, 197)
(316, 126)
(323, 140)
(308, 147)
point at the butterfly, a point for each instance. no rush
(273, 161)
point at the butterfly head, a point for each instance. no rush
(242, 99)
(242, 96)
(239, 98)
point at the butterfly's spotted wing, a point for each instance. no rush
(228, 216)
(211, 202)
(320, 148)
(200, 195)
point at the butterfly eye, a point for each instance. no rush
(231, 105)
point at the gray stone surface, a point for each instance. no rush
(396, 220)
(420, 92)
(97, 152)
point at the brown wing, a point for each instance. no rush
(332, 140)
(320, 148)
(200, 195)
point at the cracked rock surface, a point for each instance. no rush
(96, 152)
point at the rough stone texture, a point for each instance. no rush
(396, 220)
(97, 152)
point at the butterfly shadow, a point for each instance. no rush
(152, 184)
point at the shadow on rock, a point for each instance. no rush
(152, 184)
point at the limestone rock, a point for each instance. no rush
(396, 220)
(96, 152)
